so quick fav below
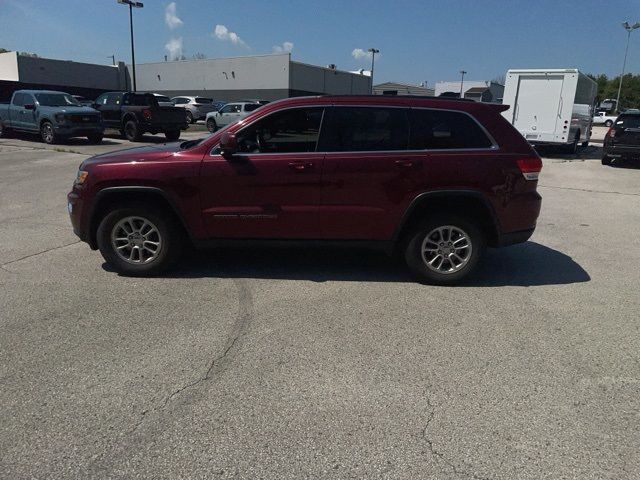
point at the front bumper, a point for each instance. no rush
(75, 207)
(77, 130)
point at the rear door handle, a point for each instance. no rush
(300, 166)
(404, 163)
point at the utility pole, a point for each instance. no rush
(463, 73)
(629, 29)
(373, 52)
(132, 4)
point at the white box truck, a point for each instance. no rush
(551, 106)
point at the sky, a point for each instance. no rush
(418, 40)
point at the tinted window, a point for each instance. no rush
(114, 99)
(364, 129)
(19, 99)
(203, 100)
(294, 130)
(180, 101)
(139, 100)
(251, 107)
(161, 98)
(102, 99)
(440, 129)
(628, 121)
(56, 100)
(230, 108)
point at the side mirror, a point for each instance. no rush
(29, 106)
(228, 144)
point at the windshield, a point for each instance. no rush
(56, 100)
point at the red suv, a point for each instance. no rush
(436, 179)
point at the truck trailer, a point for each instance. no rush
(551, 106)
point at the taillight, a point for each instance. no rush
(611, 133)
(146, 114)
(530, 167)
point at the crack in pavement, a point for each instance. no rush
(2, 265)
(589, 190)
(440, 455)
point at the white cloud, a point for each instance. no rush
(174, 48)
(286, 47)
(223, 33)
(171, 19)
(360, 54)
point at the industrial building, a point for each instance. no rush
(268, 77)
(86, 79)
(480, 91)
(394, 88)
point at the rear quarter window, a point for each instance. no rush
(444, 129)
(628, 121)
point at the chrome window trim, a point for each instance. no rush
(493, 148)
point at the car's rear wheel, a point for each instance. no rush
(4, 131)
(47, 133)
(139, 240)
(172, 135)
(211, 125)
(132, 131)
(190, 118)
(95, 138)
(608, 123)
(606, 160)
(444, 249)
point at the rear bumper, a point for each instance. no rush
(621, 150)
(163, 127)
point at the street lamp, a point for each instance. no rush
(132, 4)
(629, 29)
(373, 52)
(463, 73)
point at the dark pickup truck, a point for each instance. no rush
(135, 114)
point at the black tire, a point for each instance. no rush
(172, 135)
(190, 118)
(95, 138)
(608, 123)
(211, 125)
(4, 131)
(48, 134)
(606, 160)
(415, 241)
(132, 131)
(170, 239)
(584, 144)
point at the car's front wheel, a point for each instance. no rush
(95, 138)
(139, 240)
(47, 133)
(444, 249)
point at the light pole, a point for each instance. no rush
(463, 73)
(373, 52)
(132, 4)
(629, 29)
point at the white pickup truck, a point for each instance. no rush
(601, 118)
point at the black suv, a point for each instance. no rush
(622, 141)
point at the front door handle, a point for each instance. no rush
(300, 166)
(404, 163)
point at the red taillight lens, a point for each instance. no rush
(146, 114)
(530, 167)
(611, 133)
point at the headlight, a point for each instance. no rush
(60, 117)
(81, 177)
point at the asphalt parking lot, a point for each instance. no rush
(321, 363)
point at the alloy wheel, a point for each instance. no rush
(136, 240)
(446, 249)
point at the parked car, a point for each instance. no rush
(163, 100)
(85, 102)
(434, 179)
(601, 118)
(135, 114)
(622, 141)
(196, 107)
(254, 100)
(230, 113)
(56, 116)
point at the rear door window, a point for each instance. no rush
(250, 107)
(365, 129)
(628, 121)
(444, 129)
